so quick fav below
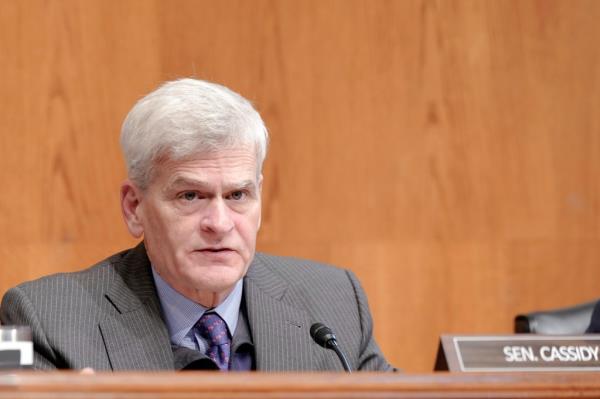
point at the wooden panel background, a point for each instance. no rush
(446, 151)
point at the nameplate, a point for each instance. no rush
(523, 352)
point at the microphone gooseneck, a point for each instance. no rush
(323, 336)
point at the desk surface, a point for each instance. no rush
(147, 385)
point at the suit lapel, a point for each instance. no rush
(134, 334)
(280, 331)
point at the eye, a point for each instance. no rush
(189, 196)
(237, 195)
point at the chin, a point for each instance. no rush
(216, 280)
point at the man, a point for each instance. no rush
(193, 294)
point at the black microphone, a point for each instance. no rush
(323, 336)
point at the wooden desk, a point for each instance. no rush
(258, 385)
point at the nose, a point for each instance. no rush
(216, 218)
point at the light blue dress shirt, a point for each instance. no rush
(181, 314)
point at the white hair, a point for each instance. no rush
(187, 117)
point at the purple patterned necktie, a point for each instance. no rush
(212, 328)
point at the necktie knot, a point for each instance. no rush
(214, 330)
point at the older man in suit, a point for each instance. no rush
(193, 294)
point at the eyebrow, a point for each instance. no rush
(202, 185)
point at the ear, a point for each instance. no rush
(260, 182)
(131, 198)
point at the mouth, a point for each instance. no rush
(217, 254)
(215, 250)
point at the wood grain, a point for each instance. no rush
(290, 385)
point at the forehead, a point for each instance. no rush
(229, 166)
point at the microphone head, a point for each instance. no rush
(322, 335)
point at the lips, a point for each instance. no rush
(216, 250)
(217, 254)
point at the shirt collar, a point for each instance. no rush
(181, 313)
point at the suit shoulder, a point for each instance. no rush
(297, 269)
(93, 276)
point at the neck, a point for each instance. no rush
(209, 299)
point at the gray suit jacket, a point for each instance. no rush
(108, 317)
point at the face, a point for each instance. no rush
(199, 219)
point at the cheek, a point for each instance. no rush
(248, 227)
(152, 224)
(163, 227)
